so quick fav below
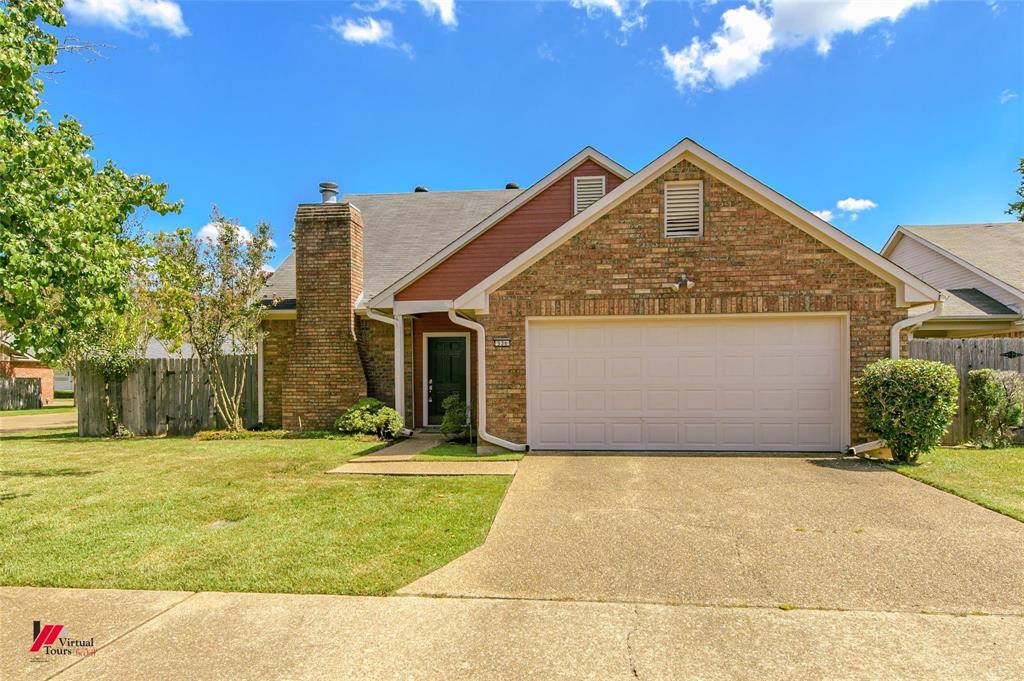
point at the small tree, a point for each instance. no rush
(207, 293)
(1016, 209)
(455, 423)
(995, 400)
(909, 403)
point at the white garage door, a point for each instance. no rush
(745, 384)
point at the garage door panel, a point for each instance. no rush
(744, 384)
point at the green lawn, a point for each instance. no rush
(451, 451)
(993, 478)
(137, 514)
(57, 409)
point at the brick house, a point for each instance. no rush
(684, 307)
(18, 365)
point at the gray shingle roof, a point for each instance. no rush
(995, 248)
(970, 302)
(400, 231)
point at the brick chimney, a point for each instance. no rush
(325, 374)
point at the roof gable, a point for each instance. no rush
(910, 289)
(386, 297)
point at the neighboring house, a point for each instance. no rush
(683, 307)
(979, 268)
(19, 365)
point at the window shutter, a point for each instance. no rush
(684, 209)
(588, 190)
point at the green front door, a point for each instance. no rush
(446, 373)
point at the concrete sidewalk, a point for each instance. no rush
(177, 635)
(428, 468)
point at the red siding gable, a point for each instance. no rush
(485, 254)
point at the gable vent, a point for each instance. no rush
(684, 209)
(587, 191)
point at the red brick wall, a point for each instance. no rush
(325, 373)
(488, 252)
(31, 369)
(434, 322)
(377, 350)
(277, 351)
(749, 260)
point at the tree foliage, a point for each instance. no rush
(995, 400)
(207, 292)
(909, 403)
(66, 250)
(1016, 209)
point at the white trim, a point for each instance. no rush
(700, 209)
(259, 381)
(909, 324)
(844, 349)
(398, 332)
(576, 189)
(910, 289)
(420, 306)
(385, 298)
(903, 232)
(426, 370)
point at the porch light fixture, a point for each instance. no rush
(682, 281)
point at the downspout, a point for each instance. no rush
(910, 322)
(481, 383)
(399, 332)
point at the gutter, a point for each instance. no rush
(399, 332)
(481, 383)
(909, 323)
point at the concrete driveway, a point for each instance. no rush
(38, 421)
(754, 531)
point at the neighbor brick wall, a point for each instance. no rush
(749, 260)
(19, 368)
(277, 352)
(325, 373)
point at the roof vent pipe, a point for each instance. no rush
(511, 185)
(421, 188)
(329, 192)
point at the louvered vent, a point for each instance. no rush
(589, 190)
(684, 209)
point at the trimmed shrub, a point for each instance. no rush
(455, 423)
(370, 416)
(995, 401)
(909, 403)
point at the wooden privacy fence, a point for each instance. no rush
(163, 397)
(1005, 354)
(20, 393)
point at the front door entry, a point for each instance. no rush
(446, 373)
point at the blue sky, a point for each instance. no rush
(895, 112)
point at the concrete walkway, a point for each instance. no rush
(428, 468)
(404, 450)
(739, 531)
(40, 421)
(206, 636)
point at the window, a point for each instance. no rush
(684, 209)
(587, 191)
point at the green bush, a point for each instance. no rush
(370, 416)
(64, 394)
(909, 403)
(995, 401)
(455, 423)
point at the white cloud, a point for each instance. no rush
(735, 51)
(444, 9)
(379, 6)
(369, 31)
(210, 230)
(629, 13)
(852, 205)
(545, 53)
(1006, 95)
(130, 15)
(825, 215)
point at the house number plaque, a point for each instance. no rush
(502, 342)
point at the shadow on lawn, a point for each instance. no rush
(47, 473)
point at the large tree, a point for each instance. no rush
(207, 293)
(66, 251)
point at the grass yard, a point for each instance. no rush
(53, 409)
(993, 478)
(149, 513)
(452, 451)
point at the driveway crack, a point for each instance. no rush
(629, 641)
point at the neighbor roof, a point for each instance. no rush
(970, 302)
(400, 231)
(994, 248)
